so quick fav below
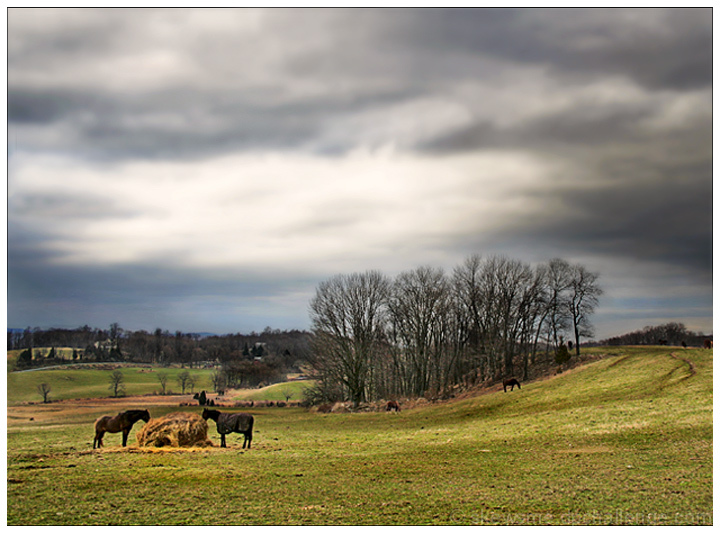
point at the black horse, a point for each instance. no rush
(121, 422)
(231, 423)
(510, 383)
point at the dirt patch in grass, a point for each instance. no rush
(691, 366)
(587, 449)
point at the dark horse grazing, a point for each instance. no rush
(392, 405)
(121, 422)
(231, 423)
(510, 383)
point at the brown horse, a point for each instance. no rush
(121, 422)
(392, 405)
(510, 383)
(231, 423)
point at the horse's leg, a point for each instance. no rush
(98, 438)
(222, 440)
(126, 432)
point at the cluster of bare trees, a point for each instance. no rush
(426, 331)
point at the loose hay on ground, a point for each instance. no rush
(178, 430)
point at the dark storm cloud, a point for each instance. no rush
(357, 60)
(580, 127)
(177, 124)
(581, 131)
(657, 48)
(671, 224)
(43, 107)
(635, 195)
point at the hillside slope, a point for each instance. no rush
(624, 440)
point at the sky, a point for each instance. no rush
(204, 170)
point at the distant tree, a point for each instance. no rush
(162, 378)
(158, 346)
(219, 380)
(117, 385)
(25, 358)
(183, 380)
(191, 381)
(44, 391)
(115, 334)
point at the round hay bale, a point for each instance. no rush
(178, 430)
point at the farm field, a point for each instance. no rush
(624, 440)
(68, 384)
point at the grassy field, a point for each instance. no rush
(625, 440)
(90, 383)
(276, 392)
(74, 383)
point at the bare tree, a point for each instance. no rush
(191, 381)
(162, 378)
(117, 385)
(419, 301)
(583, 298)
(348, 318)
(115, 335)
(219, 380)
(183, 380)
(44, 391)
(468, 298)
(558, 316)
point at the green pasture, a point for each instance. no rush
(75, 383)
(624, 440)
(90, 383)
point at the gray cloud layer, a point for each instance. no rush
(582, 132)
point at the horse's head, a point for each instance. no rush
(145, 416)
(205, 414)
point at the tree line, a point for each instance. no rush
(425, 331)
(671, 333)
(244, 359)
